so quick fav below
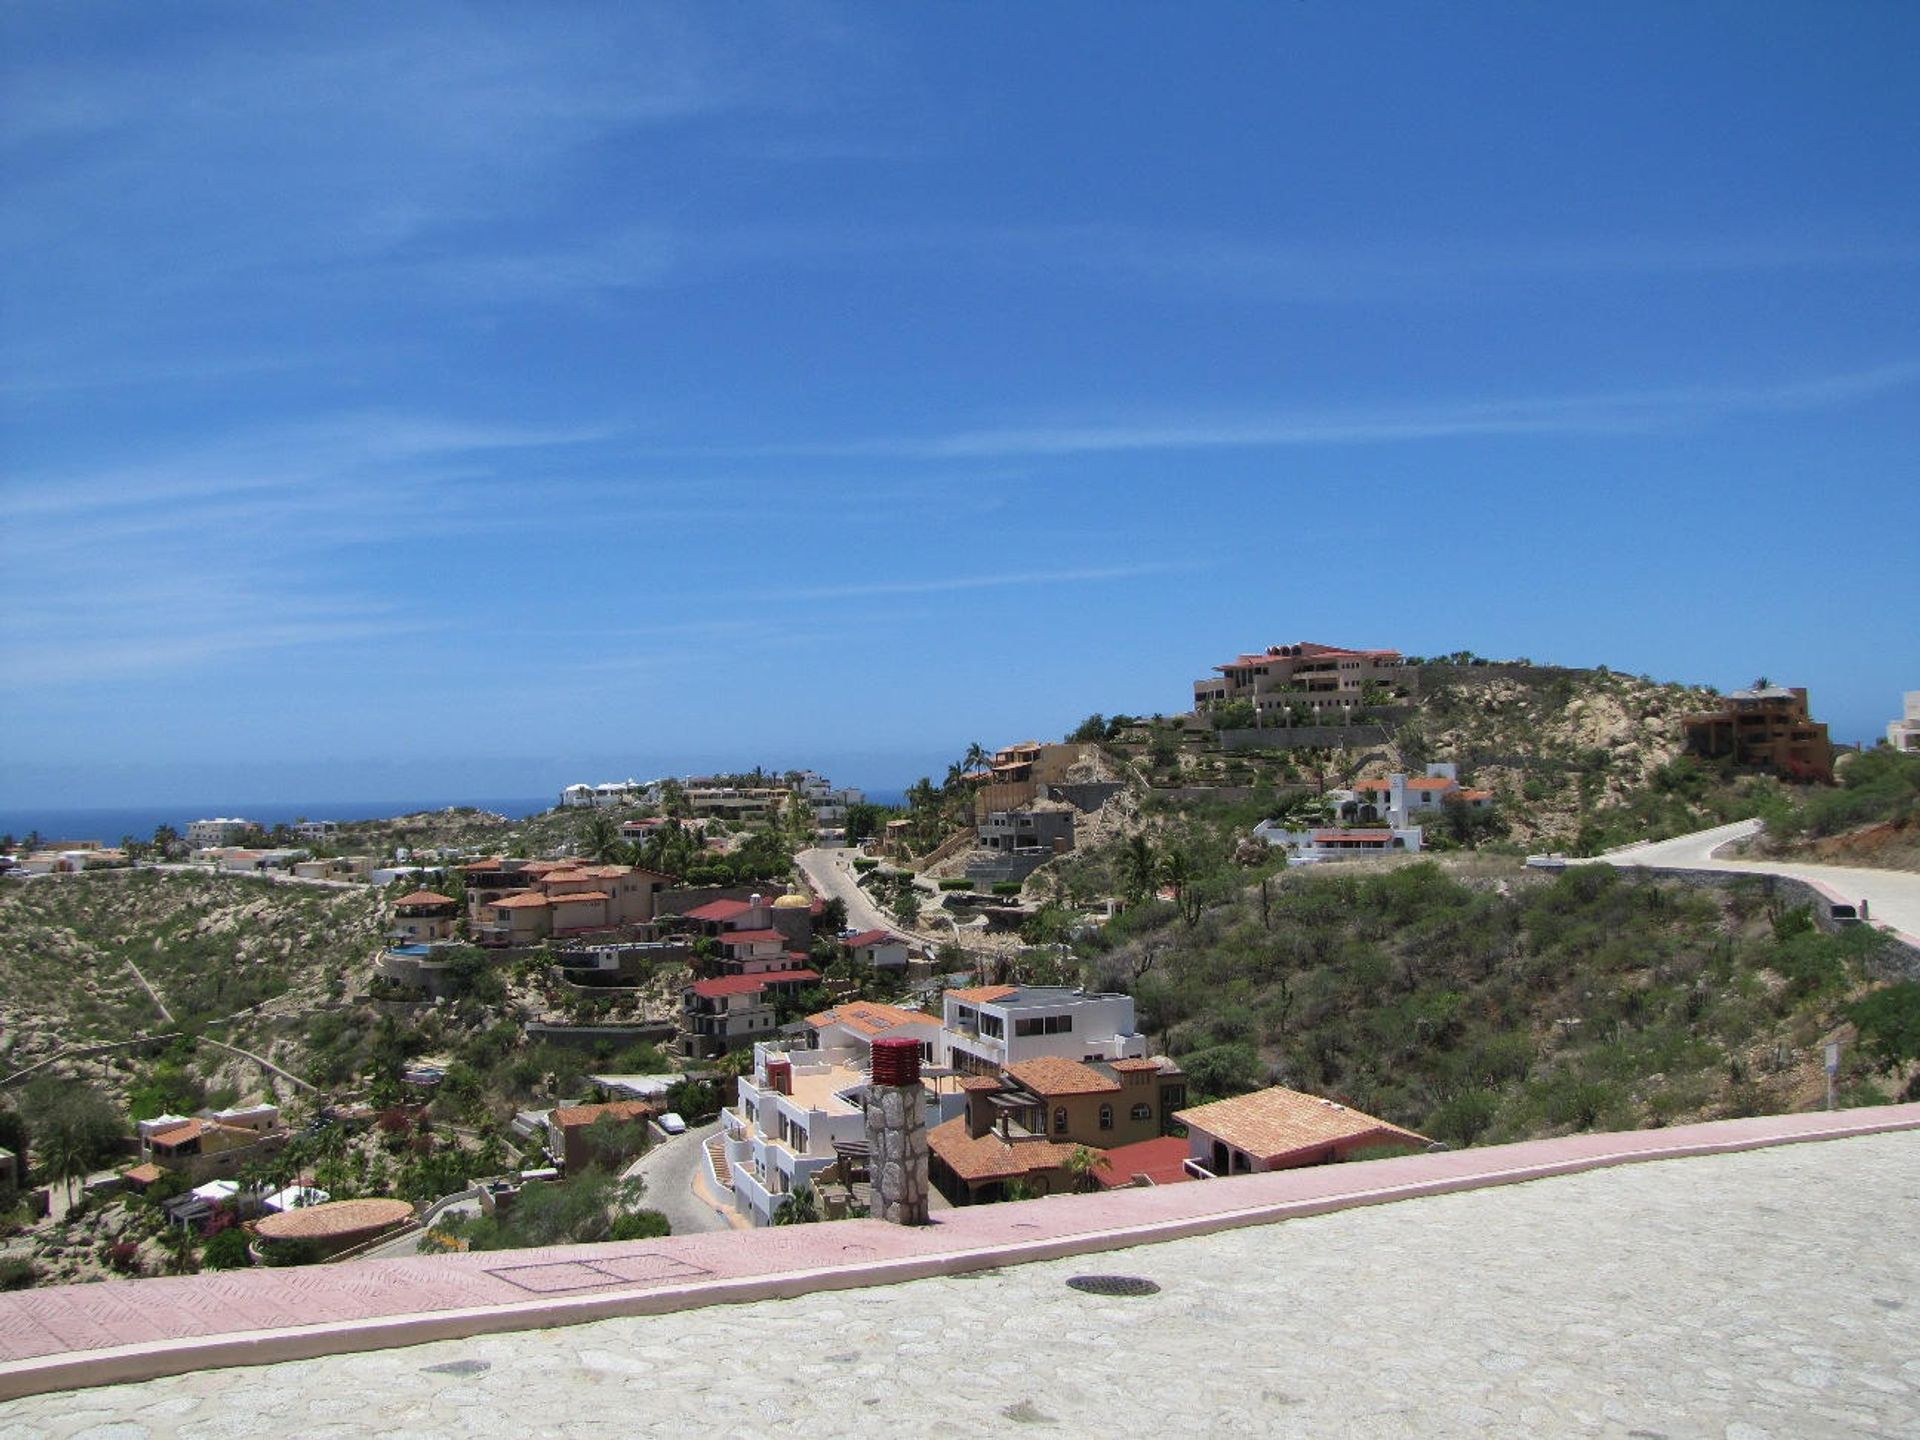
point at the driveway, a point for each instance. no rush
(671, 1169)
(1892, 896)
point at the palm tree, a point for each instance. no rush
(1139, 868)
(1083, 1167)
(978, 757)
(602, 838)
(801, 1208)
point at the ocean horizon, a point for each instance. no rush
(111, 824)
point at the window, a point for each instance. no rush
(1143, 1112)
(1059, 1119)
(1044, 1025)
(1106, 1117)
(992, 1026)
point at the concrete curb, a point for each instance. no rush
(151, 1359)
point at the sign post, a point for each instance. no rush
(1833, 1069)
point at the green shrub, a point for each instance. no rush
(1006, 887)
(17, 1273)
(956, 883)
(640, 1225)
(226, 1251)
(866, 864)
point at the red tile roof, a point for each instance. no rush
(1052, 1075)
(425, 897)
(869, 937)
(1162, 1161)
(591, 896)
(749, 984)
(1277, 1122)
(870, 1017)
(572, 1117)
(750, 937)
(989, 1157)
(982, 994)
(523, 900)
(720, 910)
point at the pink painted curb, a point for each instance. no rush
(963, 1240)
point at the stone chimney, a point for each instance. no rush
(897, 1133)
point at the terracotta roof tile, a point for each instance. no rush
(425, 897)
(1275, 1122)
(523, 900)
(870, 1017)
(1052, 1075)
(1162, 1161)
(573, 896)
(991, 1158)
(571, 1117)
(750, 937)
(983, 994)
(335, 1219)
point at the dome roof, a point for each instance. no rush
(793, 902)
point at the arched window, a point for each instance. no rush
(1106, 1117)
(1059, 1119)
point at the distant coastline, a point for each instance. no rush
(110, 824)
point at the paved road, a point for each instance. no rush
(1893, 896)
(670, 1169)
(830, 873)
(1774, 1293)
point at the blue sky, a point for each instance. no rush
(470, 399)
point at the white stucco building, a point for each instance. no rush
(992, 1026)
(1904, 734)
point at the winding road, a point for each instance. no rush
(1892, 896)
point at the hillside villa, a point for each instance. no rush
(1763, 729)
(1318, 678)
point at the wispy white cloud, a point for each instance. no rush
(1597, 414)
(949, 584)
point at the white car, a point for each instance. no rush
(672, 1124)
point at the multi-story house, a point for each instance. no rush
(854, 1025)
(423, 917)
(524, 905)
(724, 1012)
(210, 834)
(1401, 801)
(990, 1027)
(1318, 678)
(1904, 734)
(797, 1114)
(1014, 830)
(1764, 729)
(1026, 1125)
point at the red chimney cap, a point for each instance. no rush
(896, 1062)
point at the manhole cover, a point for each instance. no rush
(1113, 1285)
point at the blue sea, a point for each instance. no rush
(109, 826)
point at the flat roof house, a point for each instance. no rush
(989, 1027)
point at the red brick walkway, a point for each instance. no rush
(72, 1336)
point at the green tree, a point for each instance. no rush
(1139, 868)
(801, 1208)
(1889, 1024)
(1089, 730)
(1083, 1168)
(600, 841)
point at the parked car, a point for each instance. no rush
(673, 1124)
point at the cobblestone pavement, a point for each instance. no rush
(1769, 1293)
